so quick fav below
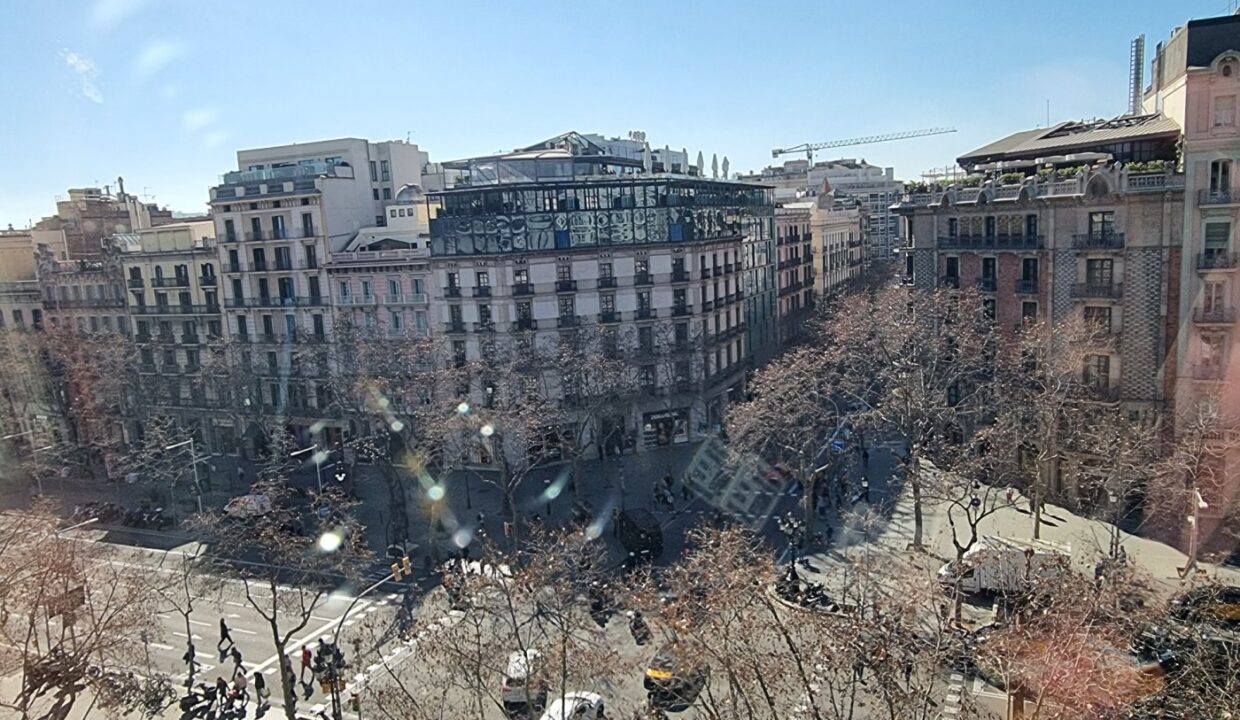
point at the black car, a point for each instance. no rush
(1215, 604)
(641, 534)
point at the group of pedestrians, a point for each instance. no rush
(226, 698)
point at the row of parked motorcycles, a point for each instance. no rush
(109, 513)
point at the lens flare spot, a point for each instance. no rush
(435, 492)
(487, 430)
(462, 538)
(463, 408)
(330, 541)
(397, 426)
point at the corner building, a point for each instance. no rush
(677, 269)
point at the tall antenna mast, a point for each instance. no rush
(1136, 69)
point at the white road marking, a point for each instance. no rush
(297, 643)
(181, 634)
(161, 646)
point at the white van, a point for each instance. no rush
(521, 688)
(1001, 564)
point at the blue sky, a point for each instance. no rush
(164, 93)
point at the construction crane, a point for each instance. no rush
(809, 148)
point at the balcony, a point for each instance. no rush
(647, 313)
(455, 326)
(949, 281)
(407, 299)
(1098, 241)
(1209, 372)
(729, 268)
(208, 280)
(89, 303)
(990, 242)
(259, 266)
(565, 285)
(136, 282)
(168, 282)
(709, 306)
(1214, 316)
(358, 300)
(190, 339)
(643, 279)
(486, 326)
(680, 276)
(482, 291)
(1096, 392)
(527, 324)
(609, 317)
(452, 291)
(523, 289)
(1216, 261)
(1101, 291)
(234, 267)
(986, 284)
(607, 282)
(566, 321)
(1026, 286)
(682, 310)
(705, 273)
(1217, 197)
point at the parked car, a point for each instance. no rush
(673, 680)
(523, 689)
(1217, 604)
(576, 705)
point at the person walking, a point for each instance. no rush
(236, 658)
(221, 692)
(306, 658)
(261, 693)
(865, 489)
(225, 637)
(865, 458)
(240, 693)
(191, 659)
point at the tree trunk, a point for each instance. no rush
(919, 521)
(287, 684)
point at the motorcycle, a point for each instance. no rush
(638, 628)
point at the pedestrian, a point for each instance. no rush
(225, 637)
(1009, 495)
(830, 534)
(615, 522)
(240, 693)
(859, 670)
(221, 691)
(261, 693)
(236, 658)
(668, 481)
(865, 489)
(191, 659)
(305, 662)
(685, 492)
(908, 671)
(240, 475)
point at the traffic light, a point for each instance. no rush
(405, 567)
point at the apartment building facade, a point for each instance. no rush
(840, 224)
(875, 188)
(85, 216)
(1050, 226)
(573, 238)
(794, 266)
(278, 219)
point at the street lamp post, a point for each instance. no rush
(1199, 504)
(38, 476)
(193, 461)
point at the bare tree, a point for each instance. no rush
(72, 622)
(295, 555)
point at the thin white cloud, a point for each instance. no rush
(107, 14)
(155, 56)
(198, 118)
(214, 139)
(87, 74)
